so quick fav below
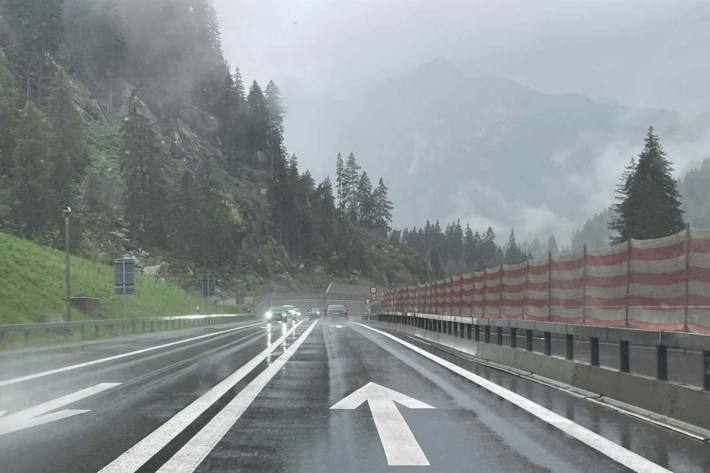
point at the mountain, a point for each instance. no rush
(484, 149)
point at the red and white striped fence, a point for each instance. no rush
(660, 284)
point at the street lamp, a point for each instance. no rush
(67, 265)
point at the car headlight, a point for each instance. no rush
(268, 314)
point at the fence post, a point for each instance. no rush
(461, 296)
(584, 284)
(549, 285)
(687, 274)
(527, 281)
(628, 279)
(500, 293)
(483, 303)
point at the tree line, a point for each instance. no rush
(456, 250)
(168, 202)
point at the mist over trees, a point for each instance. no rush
(197, 152)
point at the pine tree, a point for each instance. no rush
(37, 30)
(364, 202)
(67, 162)
(258, 123)
(648, 203)
(30, 171)
(382, 209)
(143, 169)
(275, 148)
(351, 180)
(513, 253)
(326, 218)
(8, 116)
(340, 182)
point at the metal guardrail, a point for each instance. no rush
(490, 330)
(136, 325)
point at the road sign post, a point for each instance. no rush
(239, 292)
(208, 283)
(124, 279)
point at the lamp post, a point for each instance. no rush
(67, 260)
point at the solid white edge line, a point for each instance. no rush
(189, 457)
(116, 357)
(136, 456)
(601, 444)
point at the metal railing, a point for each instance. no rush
(124, 326)
(524, 334)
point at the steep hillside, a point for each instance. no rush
(32, 284)
(165, 155)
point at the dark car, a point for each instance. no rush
(277, 313)
(336, 310)
(313, 313)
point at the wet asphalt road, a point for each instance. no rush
(279, 413)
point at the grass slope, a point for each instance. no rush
(32, 283)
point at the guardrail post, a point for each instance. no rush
(456, 328)
(27, 338)
(528, 339)
(461, 329)
(594, 349)
(624, 361)
(468, 331)
(662, 362)
(513, 337)
(96, 330)
(706, 370)
(499, 335)
(477, 333)
(569, 351)
(487, 334)
(548, 343)
(83, 332)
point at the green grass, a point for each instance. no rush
(32, 284)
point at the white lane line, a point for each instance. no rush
(135, 457)
(42, 413)
(189, 457)
(116, 357)
(603, 445)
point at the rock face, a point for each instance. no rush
(88, 107)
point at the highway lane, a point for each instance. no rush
(291, 426)
(321, 400)
(18, 363)
(145, 390)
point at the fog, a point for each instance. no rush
(637, 54)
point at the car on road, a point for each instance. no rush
(313, 313)
(336, 310)
(278, 313)
(293, 310)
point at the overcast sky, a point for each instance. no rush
(643, 52)
(648, 53)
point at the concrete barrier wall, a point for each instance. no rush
(688, 404)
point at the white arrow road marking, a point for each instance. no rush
(135, 457)
(42, 413)
(601, 444)
(189, 457)
(118, 357)
(400, 445)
